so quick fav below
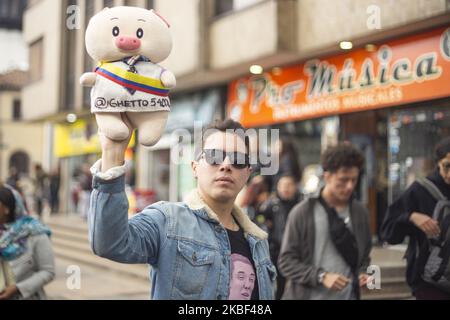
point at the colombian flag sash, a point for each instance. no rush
(131, 80)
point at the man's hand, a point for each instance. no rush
(113, 152)
(9, 292)
(425, 223)
(257, 179)
(363, 279)
(335, 281)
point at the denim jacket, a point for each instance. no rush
(185, 244)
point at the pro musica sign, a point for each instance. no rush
(412, 69)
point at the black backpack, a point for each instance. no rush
(437, 267)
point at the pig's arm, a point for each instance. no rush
(168, 79)
(88, 79)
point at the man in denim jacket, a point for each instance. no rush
(204, 248)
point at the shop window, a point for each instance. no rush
(413, 135)
(306, 137)
(222, 6)
(11, 12)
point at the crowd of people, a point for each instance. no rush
(313, 246)
(40, 190)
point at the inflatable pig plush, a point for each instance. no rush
(127, 43)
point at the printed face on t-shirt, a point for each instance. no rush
(242, 278)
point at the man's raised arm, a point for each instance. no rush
(112, 235)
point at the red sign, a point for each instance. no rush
(412, 69)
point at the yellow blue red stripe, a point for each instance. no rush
(132, 80)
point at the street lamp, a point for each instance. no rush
(71, 118)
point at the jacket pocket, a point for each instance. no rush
(271, 271)
(192, 267)
(267, 276)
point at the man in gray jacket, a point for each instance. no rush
(327, 242)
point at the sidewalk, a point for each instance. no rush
(100, 278)
(96, 284)
(105, 279)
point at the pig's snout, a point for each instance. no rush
(128, 43)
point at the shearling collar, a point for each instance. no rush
(195, 202)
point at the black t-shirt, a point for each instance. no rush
(244, 282)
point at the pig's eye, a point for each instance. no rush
(140, 33)
(116, 31)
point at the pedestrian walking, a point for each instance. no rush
(326, 246)
(85, 183)
(54, 183)
(275, 212)
(26, 256)
(416, 215)
(287, 159)
(13, 178)
(40, 182)
(255, 194)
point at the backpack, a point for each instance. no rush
(437, 267)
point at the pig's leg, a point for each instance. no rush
(150, 125)
(112, 125)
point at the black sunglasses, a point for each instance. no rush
(213, 157)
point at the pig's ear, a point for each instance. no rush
(159, 16)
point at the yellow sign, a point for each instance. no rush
(77, 139)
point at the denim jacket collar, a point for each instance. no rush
(195, 203)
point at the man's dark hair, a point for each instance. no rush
(224, 126)
(9, 201)
(343, 155)
(442, 149)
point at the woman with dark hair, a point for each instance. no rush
(26, 255)
(411, 215)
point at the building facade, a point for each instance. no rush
(20, 141)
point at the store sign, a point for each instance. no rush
(412, 69)
(77, 139)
